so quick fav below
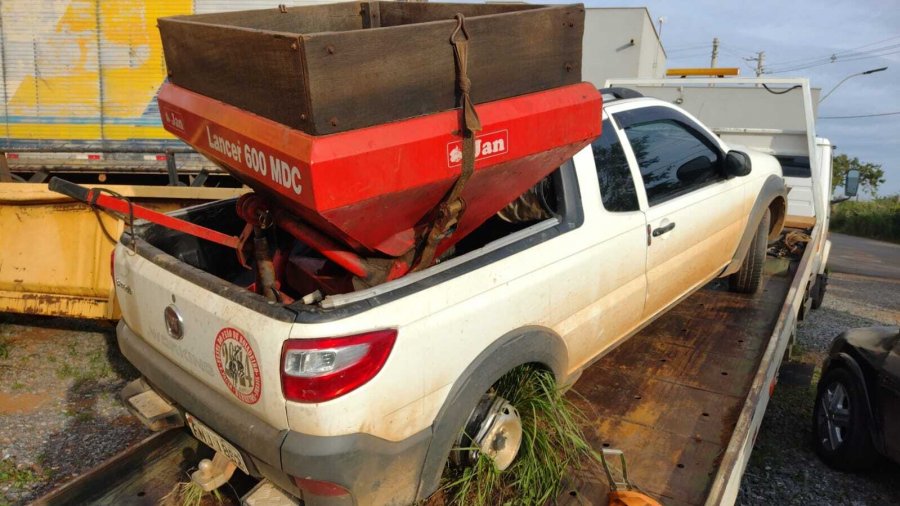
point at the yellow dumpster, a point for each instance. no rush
(54, 255)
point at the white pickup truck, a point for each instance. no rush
(359, 398)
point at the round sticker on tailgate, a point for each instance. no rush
(237, 365)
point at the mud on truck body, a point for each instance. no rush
(652, 210)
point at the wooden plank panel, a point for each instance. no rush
(335, 17)
(360, 78)
(257, 71)
(330, 68)
(403, 13)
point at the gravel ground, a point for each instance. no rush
(59, 414)
(783, 467)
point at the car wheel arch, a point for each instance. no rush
(527, 345)
(771, 197)
(866, 377)
(778, 210)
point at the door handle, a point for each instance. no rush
(663, 229)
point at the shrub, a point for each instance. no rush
(875, 219)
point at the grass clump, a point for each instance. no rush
(188, 493)
(553, 445)
(96, 368)
(875, 219)
(17, 477)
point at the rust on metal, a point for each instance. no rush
(670, 397)
(142, 474)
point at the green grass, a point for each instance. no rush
(875, 219)
(79, 415)
(4, 348)
(98, 367)
(15, 477)
(553, 445)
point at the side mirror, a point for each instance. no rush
(851, 183)
(737, 164)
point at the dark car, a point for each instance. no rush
(857, 410)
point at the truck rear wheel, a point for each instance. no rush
(749, 278)
(818, 290)
(494, 430)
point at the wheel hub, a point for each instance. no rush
(834, 416)
(497, 431)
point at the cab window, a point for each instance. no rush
(674, 156)
(616, 184)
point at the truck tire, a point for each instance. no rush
(841, 423)
(749, 278)
(818, 291)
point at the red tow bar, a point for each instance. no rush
(97, 198)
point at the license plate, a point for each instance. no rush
(208, 437)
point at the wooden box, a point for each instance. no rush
(335, 67)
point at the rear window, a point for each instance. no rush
(616, 184)
(795, 166)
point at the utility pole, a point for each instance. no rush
(760, 58)
(715, 53)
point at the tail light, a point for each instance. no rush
(318, 370)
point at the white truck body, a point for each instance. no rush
(567, 289)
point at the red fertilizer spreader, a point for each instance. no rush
(371, 192)
(367, 200)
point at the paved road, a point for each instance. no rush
(864, 257)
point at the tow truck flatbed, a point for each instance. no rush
(683, 399)
(680, 397)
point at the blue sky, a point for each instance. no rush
(863, 34)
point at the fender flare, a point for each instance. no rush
(527, 345)
(773, 188)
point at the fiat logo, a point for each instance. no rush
(174, 323)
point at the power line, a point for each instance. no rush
(741, 48)
(731, 49)
(740, 58)
(843, 52)
(837, 60)
(861, 115)
(844, 56)
(834, 59)
(759, 59)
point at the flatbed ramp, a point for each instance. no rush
(144, 474)
(671, 396)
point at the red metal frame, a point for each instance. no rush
(102, 200)
(373, 189)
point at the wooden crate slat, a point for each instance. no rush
(336, 67)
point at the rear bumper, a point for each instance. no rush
(374, 470)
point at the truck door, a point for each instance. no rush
(694, 214)
(889, 386)
(622, 224)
